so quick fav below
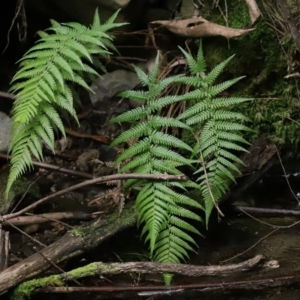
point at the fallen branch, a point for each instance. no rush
(55, 168)
(91, 182)
(74, 242)
(48, 217)
(98, 268)
(159, 290)
(267, 211)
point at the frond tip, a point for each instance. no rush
(42, 85)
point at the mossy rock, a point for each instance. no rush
(263, 57)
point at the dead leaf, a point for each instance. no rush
(254, 11)
(200, 27)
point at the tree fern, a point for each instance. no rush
(161, 209)
(42, 84)
(216, 128)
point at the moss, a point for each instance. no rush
(264, 58)
(24, 290)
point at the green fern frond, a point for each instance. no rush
(140, 96)
(158, 122)
(195, 66)
(166, 166)
(164, 211)
(220, 129)
(132, 115)
(133, 133)
(169, 140)
(211, 77)
(41, 84)
(153, 77)
(144, 78)
(156, 152)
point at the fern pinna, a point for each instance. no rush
(42, 85)
(162, 210)
(216, 128)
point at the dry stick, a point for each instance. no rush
(20, 5)
(55, 168)
(24, 195)
(267, 211)
(28, 236)
(264, 237)
(84, 238)
(200, 287)
(285, 175)
(94, 181)
(38, 251)
(49, 217)
(248, 249)
(7, 95)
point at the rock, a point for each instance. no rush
(5, 132)
(110, 84)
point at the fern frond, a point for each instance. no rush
(41, 85)
(219, 88)
(195, 66)
(162, 152)
(166, 166)
(153, 77)
(132, 115)
(169, 140)
(216, 129)
(211, 77)
(132, 133)
(138, 148)
(140, 96)
(158, 122)
(142, 76)
(155, 152)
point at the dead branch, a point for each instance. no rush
(200, 287)
(48, 217)
(73, 243)
(267, 212)
(4, 249)
(54, 168)
(98, 268)
(7, 95)
(91, 182)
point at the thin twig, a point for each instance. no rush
(261, 239)
(91, 182)
(286, 178)
(7, 95)
(55, 168)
